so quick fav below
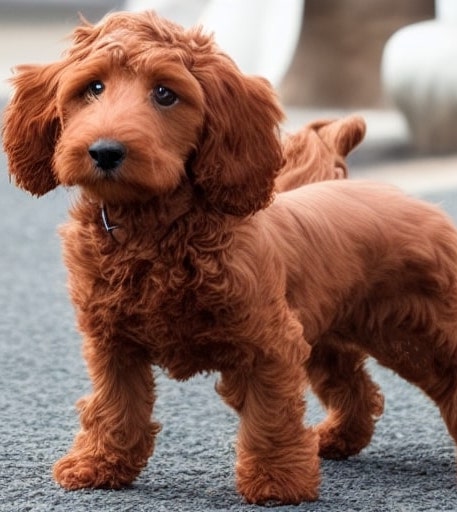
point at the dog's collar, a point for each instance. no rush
(109, 228)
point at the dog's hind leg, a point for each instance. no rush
(428, 359)
(435, 372)
(447, 403)
(352, 400)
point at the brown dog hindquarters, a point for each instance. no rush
(373, 272)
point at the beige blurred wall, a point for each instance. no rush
(338, 57)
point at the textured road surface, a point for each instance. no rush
(409, 465)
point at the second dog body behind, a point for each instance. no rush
(180, 256)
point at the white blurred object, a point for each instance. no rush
(184, 12)
(419, 73)
(260, 35)
(446, 10)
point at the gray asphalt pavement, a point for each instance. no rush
(409, 465)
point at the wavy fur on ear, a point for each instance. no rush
(240, 151)
(31, 128)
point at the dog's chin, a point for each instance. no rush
(117, 193)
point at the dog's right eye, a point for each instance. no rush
(95, 88)
(163, 96)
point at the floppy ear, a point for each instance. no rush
(343, 135)
(31, 128)
(239, 152)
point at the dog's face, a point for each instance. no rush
(138, 105)
(128, 127)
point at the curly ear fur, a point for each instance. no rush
(31, 128)
(239, 153)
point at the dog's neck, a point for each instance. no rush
(121, 221)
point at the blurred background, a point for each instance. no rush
(393, 61)
(336, 61)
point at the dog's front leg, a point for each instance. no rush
(117, 435)
(277, 456)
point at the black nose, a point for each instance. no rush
(107, 154)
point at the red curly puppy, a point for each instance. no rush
(180, 256)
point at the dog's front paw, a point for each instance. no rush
(289, 484)
(79, 471)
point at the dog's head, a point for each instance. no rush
(136, 106)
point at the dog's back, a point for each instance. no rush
(358, 238)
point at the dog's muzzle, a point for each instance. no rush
(107, 154)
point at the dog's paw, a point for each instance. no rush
(269, 486)
(266, 490)
(79, 471)
(336, 444)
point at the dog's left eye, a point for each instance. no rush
(163, 96)
(95, 88)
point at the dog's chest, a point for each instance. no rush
(178, 308)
